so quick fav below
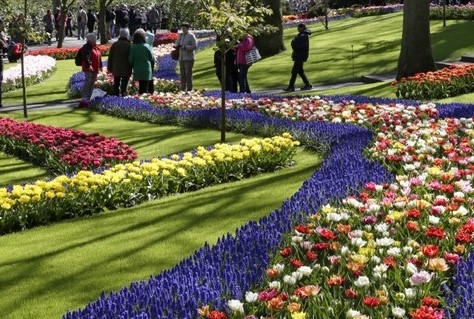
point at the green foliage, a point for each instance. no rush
(232, 19)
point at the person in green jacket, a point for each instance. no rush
(142, 60)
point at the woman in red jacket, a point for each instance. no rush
(91, 65)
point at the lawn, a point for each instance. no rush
(68, 264)
(331, 52)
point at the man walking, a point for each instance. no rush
(300, 46)
(81, 23)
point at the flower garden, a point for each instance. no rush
(383, 229)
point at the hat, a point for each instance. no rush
(186, 25)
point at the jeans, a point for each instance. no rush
(243, 82)
(91, 77)
(145, 86)
(120, 85)
(298, 70)
(186, 72)
(81, 30)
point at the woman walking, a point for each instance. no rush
(142, 59)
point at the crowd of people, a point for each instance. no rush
(153, 18)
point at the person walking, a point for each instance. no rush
(91, 20)
(154, 18)
(68, 30)
(142, 59)
(91, 65)
(243, 47)
(3, 48)
(48, 21)
(300, 46)
(81, 23)
(187, 45)
(118, 63)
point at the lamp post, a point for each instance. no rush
(22, 24)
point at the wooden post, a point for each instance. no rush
(223, 93)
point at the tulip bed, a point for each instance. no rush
(124, 185)
(453, 12)
(61, 150)
(376, 10)
(447, 82)
(388, 250)
(37, 69)
(64, 53)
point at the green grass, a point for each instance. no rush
(53, 89)
(375, 41)
(48, 270)
(16, 171)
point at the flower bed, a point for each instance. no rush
(37, 69)
(61, 150)
(376, 10)
(128, 184)
(447, 82)
(64, 53)
(453, 12)
(213, 275)
(165, 38)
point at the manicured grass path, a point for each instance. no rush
(48, 270)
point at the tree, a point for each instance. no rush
(271, 43)
(65, 6)
(415, 55)
(103, 5)
(231, 20)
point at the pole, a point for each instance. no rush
(444, 13)
(353, 73)
(23, 42)
(223, 93)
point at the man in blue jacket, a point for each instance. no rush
(300, 46)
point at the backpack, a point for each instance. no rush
(79, 57)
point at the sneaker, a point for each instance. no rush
(306, 87)
(289, 89)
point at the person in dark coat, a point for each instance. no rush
(232, 72)
(3, 48)
(91, 20)
(300, 46)
(118, 63)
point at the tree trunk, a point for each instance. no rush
(56, 4)
(62, 26)
(101, 22)
(272, 43)
(415, 55)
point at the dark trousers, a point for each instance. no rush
(298, 70)
(1, 81)
(145, 86)
(243, 82)
(120, 85)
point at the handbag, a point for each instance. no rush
(175, 54)
(252, 56)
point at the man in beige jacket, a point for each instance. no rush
(186, 44)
